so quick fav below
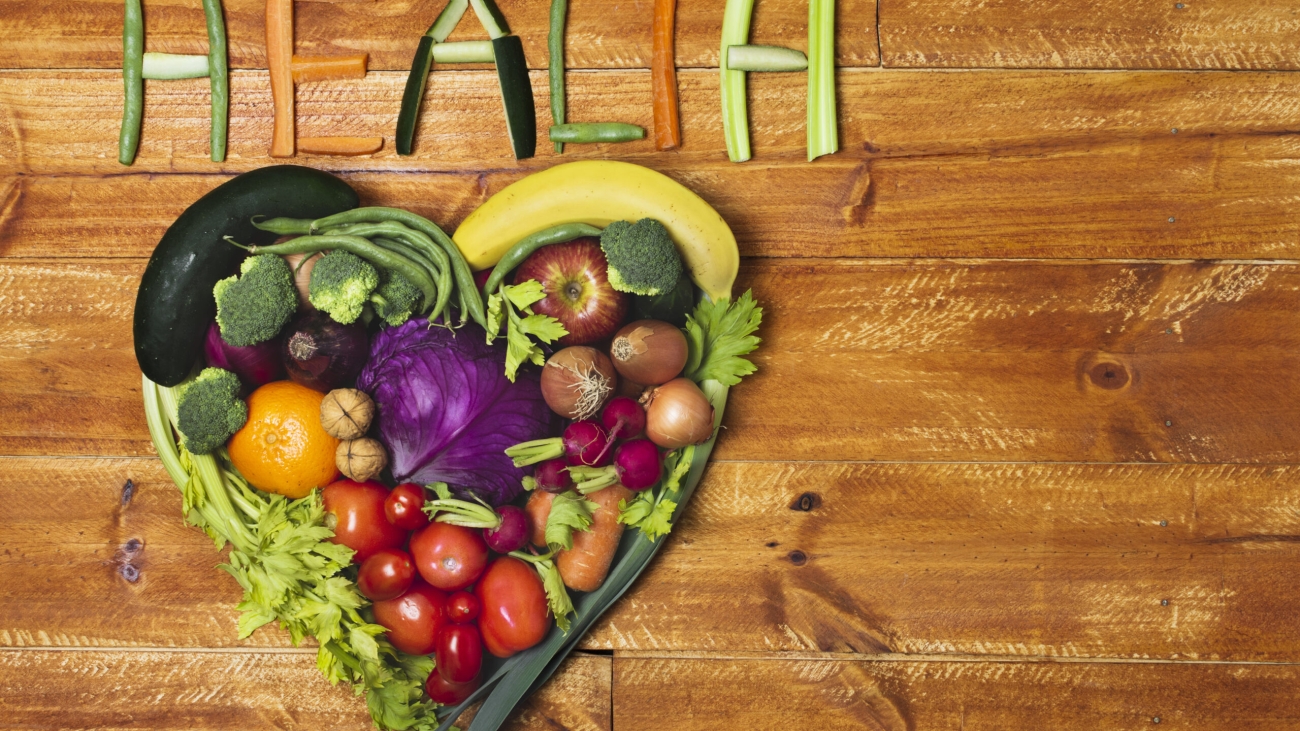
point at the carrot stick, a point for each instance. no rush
(279, 60)
(339, 145)
(539, 509)
(663, 77)
(328, 68)
(584, 568)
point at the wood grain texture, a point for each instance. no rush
(901, 696)
(1000, 561)
(1229, 198)
(111, 690)
(893, 360)
(1122, 34)
(67, 121)
(599, 33)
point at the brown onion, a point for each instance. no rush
(576, 381)
(301, 275)
(649, 351)
(677, 414)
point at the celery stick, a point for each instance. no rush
(174, 66)
(765, 58)
(823, 128)
(735, 109)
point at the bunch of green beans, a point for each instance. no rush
(395, 240)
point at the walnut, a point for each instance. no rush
(346, 413)
(361, 459)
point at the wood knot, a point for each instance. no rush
(798, 558)
(129, 572)
(807, 502)
(128, 492)
(1108, 375)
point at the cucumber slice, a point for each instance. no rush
(516, 95)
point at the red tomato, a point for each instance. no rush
(458, 653)
(463, 607)
(403, 507)
(360, 524)
(386, 574)
(414, 618)
(449, 557)
(515, 615)
(448, 694)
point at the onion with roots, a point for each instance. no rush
(576, 381)
(649, 351)
(678, 414)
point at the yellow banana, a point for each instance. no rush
(598, 192)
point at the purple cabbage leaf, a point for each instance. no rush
(447, 413)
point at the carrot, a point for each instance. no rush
(279, 60)
(339, 145)
(539, 509)
(584, 568)
(328, 68)
(663, 77)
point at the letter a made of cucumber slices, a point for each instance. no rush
(599, 192)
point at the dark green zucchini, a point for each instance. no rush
(517, 95)
(175, 305)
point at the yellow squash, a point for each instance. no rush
(598, 192)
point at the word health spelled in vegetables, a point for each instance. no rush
(435, 476)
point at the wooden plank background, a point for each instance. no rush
(1021, 453)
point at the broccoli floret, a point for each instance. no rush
(642, 257)
(209, 410)
(254, 306)
(396, 299)
(341, 284)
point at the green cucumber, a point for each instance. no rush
(517, 95)
(174, 306)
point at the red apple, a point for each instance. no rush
(577, 292)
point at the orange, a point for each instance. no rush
(283, 448)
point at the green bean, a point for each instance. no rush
(128, 140)
(218, 77)
(460, 268)
(596, 132)
(421, 245)
(283, 226)
(555, 70)
(397, 247)
(363, 248)
(520, 251)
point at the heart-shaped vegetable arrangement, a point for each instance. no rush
(588, 367)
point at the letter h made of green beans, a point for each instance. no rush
(138, 66)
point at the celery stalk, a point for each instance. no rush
(735, 108)
(765, 58)
(174, 66)
(823, 130)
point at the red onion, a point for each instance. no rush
(256, 365)
(322, 354)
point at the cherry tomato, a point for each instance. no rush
(515, 615)
(449, 557)
(403, 507)
(358, 510)
(458, 652)
(386, 574)
(463, 607)
(414, 618)
(448, 694)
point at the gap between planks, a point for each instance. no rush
(473, 68)
(837, 657)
